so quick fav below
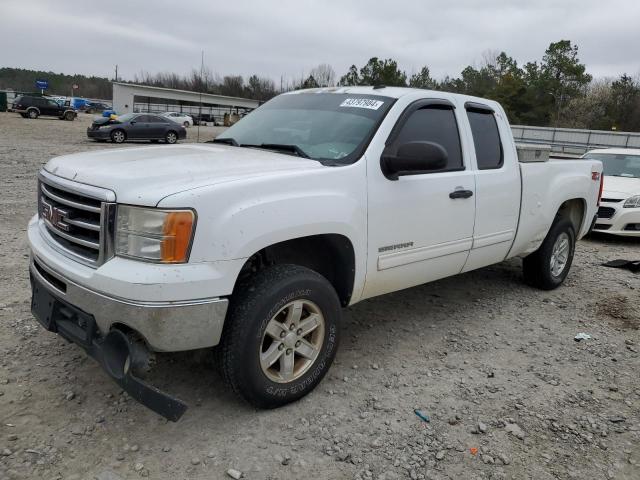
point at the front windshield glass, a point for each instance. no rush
(332, 127)
(618, 165)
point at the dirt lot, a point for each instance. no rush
(492, 362)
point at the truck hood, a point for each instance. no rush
(620, 187)
(145, 175)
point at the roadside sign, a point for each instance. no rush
(42, 84)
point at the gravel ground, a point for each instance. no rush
(491, 363)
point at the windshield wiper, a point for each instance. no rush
(227, 141)
(280, 146)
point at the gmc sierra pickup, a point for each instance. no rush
(315, 201)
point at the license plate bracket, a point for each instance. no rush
(42, 305)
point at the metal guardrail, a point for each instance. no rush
(574, 141)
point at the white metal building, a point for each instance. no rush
(128, 97)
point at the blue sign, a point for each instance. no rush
(42, 84)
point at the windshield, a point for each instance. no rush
(618, 165)
(333, 127)
(126, 117)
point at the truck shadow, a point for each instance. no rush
(381, 324)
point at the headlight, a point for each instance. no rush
(632, 202)
(162, 236)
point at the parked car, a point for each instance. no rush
(32, 107)
(619, 212)
(315, 201)
(181, 118)
(96, 107)
(136, 126)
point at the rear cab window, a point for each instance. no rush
(486, 136)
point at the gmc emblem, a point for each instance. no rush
(54, 215)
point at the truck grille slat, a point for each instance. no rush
(70, 203)
(71, 238)
(76, 224)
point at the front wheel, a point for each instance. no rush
(70, 116)
(186, 124)
(118, 136)
(547, 267)
(280, 336)
(171, 137)
(32, 113)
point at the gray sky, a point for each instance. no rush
(287, 37)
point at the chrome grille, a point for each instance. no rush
(77, 219)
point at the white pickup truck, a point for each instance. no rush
(317, 200)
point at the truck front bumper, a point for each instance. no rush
(116, 352)
(165, 326)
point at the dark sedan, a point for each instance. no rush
(136, 126)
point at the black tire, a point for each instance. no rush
(118, 136)
(171, 137)
(32, 113)
(537, 266)
(185, 124)
(253, 305)
(70, 116)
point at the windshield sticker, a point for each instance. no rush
(362, 103)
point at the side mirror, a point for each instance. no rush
(132, 122)
(412, 158)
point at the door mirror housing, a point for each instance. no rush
(132, 122)
(412, 158)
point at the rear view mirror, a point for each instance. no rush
(412, 158)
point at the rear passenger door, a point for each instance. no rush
(497, 185)
(157, 126)
(419, 229)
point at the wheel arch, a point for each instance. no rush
(575, 211)
(331, 255)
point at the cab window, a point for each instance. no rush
(486, 138)
(437, 124)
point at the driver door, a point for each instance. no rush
(138, 127)
(421, 224)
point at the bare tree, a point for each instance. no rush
(324, 75)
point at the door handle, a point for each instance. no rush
(460, 194)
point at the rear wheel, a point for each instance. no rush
(70, 116)
(171, 137)
(281, 335)
(118, 136)
(547, 267)
(186, 124)
(32, 113)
